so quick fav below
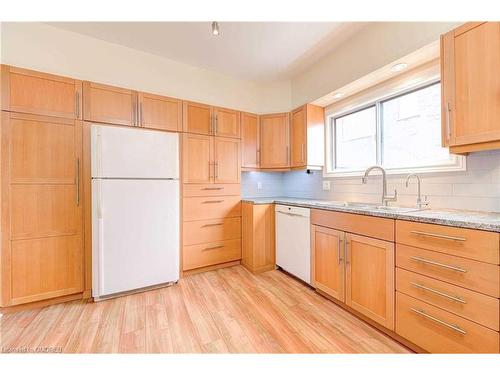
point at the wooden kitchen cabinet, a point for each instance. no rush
(250, 141)
(197, 118)
(258, 237)
(470, 82)
(275, 141)
(42, 244)
(227, 160)
(160, 112)
(370, 278)
(109, 104)
(197, 158)
(28, 91)
(307, 137)
(327, 259)
(226, 122)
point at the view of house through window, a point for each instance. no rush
(400, 132)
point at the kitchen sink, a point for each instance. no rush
(372, 206)
(398, 209)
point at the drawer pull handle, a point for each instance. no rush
(453, 268)
(213, 188)
(211, 225)
(430, 317)
(213, 247)
(423, 287)
(436, 235)
(212, 201)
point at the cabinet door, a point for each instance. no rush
(227, 160)
(227, 122)
(41, 207)
(327, 251)
(274, 141)
(370, 278)
(108, 104)
(249, 140)
(197, 158)
(298, 138)
(27, 91)
(160, 112)
(197, 118)
(471, 70)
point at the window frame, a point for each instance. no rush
(458, 162)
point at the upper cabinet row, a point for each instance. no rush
(470, 84)
(283, 141)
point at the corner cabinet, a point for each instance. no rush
(307, 137)
(470, 84)
(250, 141)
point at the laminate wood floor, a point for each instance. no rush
(224, 311)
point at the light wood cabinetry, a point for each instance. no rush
(28, 91)
(470, 70)
(370, 278)
(307, 137)
(226, 122)
(41, 191)
(160, 112)
(204, 119)
(227, 165)
(250, 141)
(275, 141)
(258, 237)
(327, 259)
(109, 104)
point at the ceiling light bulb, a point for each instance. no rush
(215, 28)
(338, 95)
(399, 67)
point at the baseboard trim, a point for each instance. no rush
(44, 303)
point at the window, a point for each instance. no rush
(401, 132)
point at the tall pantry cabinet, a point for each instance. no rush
(41, 187)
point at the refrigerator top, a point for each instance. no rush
(132, 153)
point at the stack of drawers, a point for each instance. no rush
(447, 288)
(211, 225)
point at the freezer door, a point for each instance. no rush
(120, 152)
(135, 234)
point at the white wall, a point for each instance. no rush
(373, 47)
(49, 49)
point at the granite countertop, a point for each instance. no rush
(489, 221)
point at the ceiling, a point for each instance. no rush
(255, 51)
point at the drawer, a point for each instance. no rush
(210, 190)
(438, 331)
(370, 226)
(204, 208)
(203, 231)
(460, 301)
(467, 243)
(207, 254)
(470, 274)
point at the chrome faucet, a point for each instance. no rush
(385, 197)
(420, 203)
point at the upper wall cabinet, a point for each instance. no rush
(307, 137)
(27, 91)
(275, 141)
(108, 104)
(160, 112)
(204, 119)
(470, 75)
(250, 140)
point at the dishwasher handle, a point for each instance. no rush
(290, 214)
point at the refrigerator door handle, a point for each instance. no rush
(99, 198)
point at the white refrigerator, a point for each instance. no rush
(135, 209)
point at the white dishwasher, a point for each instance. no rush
(293, 241)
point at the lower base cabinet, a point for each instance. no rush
(258, 234)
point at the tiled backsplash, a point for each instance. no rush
(478, 188)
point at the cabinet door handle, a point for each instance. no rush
(436, 235)
(437, 292)
(77, 104)
(213, 247)
(341, 243)
(258, 157)
(220, 201)
(347, 260)
(140, 115)
(439, 321)
(448, 129)
(216, 169)
(134, 114)
(302, 152)
(437, 264)
(77, 181)
(287, 154)
(216, 123)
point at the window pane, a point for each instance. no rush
(411, 130)
(355, 140)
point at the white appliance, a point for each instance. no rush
(293, 241)
(135, 209)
